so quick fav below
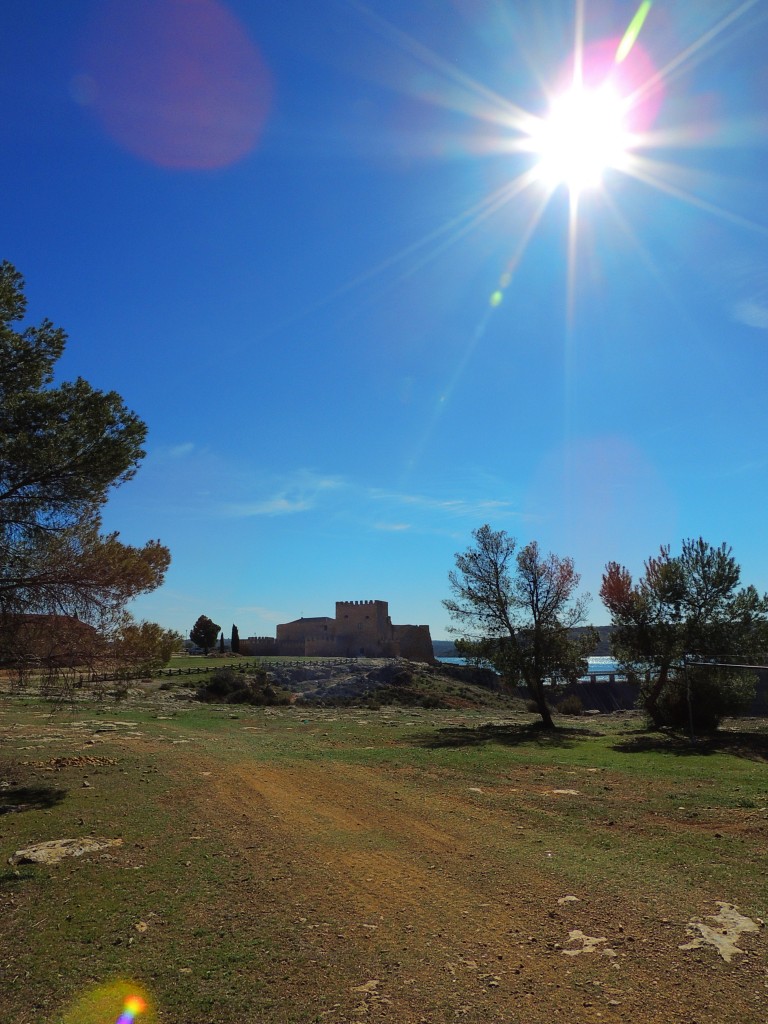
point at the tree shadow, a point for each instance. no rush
(16, 876)
(29, 798)
(752, 746)
(505, 735)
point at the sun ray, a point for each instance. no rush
(707, 135)
(504, 196)
(578, 45)
(673, 294)
(648, 171)
(570, 308)
(502, 111)
(573, 232)
(479, 331)
(454, 228)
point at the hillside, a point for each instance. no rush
(378, 683)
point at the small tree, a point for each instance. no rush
(519, 610)
(221, 644)
(689, 604)
(235, 641)
(204, 633)
(143, 646)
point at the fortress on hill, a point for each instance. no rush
(360, 629)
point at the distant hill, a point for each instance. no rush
(447, 648)
(603, 648)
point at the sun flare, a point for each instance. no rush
(584, 135)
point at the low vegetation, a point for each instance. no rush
(228, 686)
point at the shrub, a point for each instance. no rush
(570, 705)
(220, 684)
(234, 687)
(714, 696)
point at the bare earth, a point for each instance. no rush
(409, 903)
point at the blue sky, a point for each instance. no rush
(295, 238)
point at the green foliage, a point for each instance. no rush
(144, 646)
(472, 651)
(204, 633)
(570, 705)
(235, 640)
(228, 686)
(714, 695)
(519, 609)
(61, 450)
(684, 605)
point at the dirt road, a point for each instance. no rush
(392, 895)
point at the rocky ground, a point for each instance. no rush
(388, 682)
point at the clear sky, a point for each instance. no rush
(312, 246)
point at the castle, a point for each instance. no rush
(360, 629)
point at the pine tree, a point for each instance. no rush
(63, 447)
(204, 633)
(235, 642)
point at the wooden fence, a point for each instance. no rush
(238, 666)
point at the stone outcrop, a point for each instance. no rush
(55, 850)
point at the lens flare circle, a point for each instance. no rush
(177, 83)
(115, 1002)
(133, 1006)
(584, 134)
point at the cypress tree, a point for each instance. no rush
(235, 642)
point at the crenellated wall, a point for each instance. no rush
(252, 646)
(363, 627)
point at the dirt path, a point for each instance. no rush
(389, 897)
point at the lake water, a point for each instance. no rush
(600, 665)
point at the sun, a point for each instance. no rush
(584, 135)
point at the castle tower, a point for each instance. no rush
(364, 627)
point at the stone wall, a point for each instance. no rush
(415, 643)
(255, 646)
(292, 636)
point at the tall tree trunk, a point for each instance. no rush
(652, 700)
(537, 689)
